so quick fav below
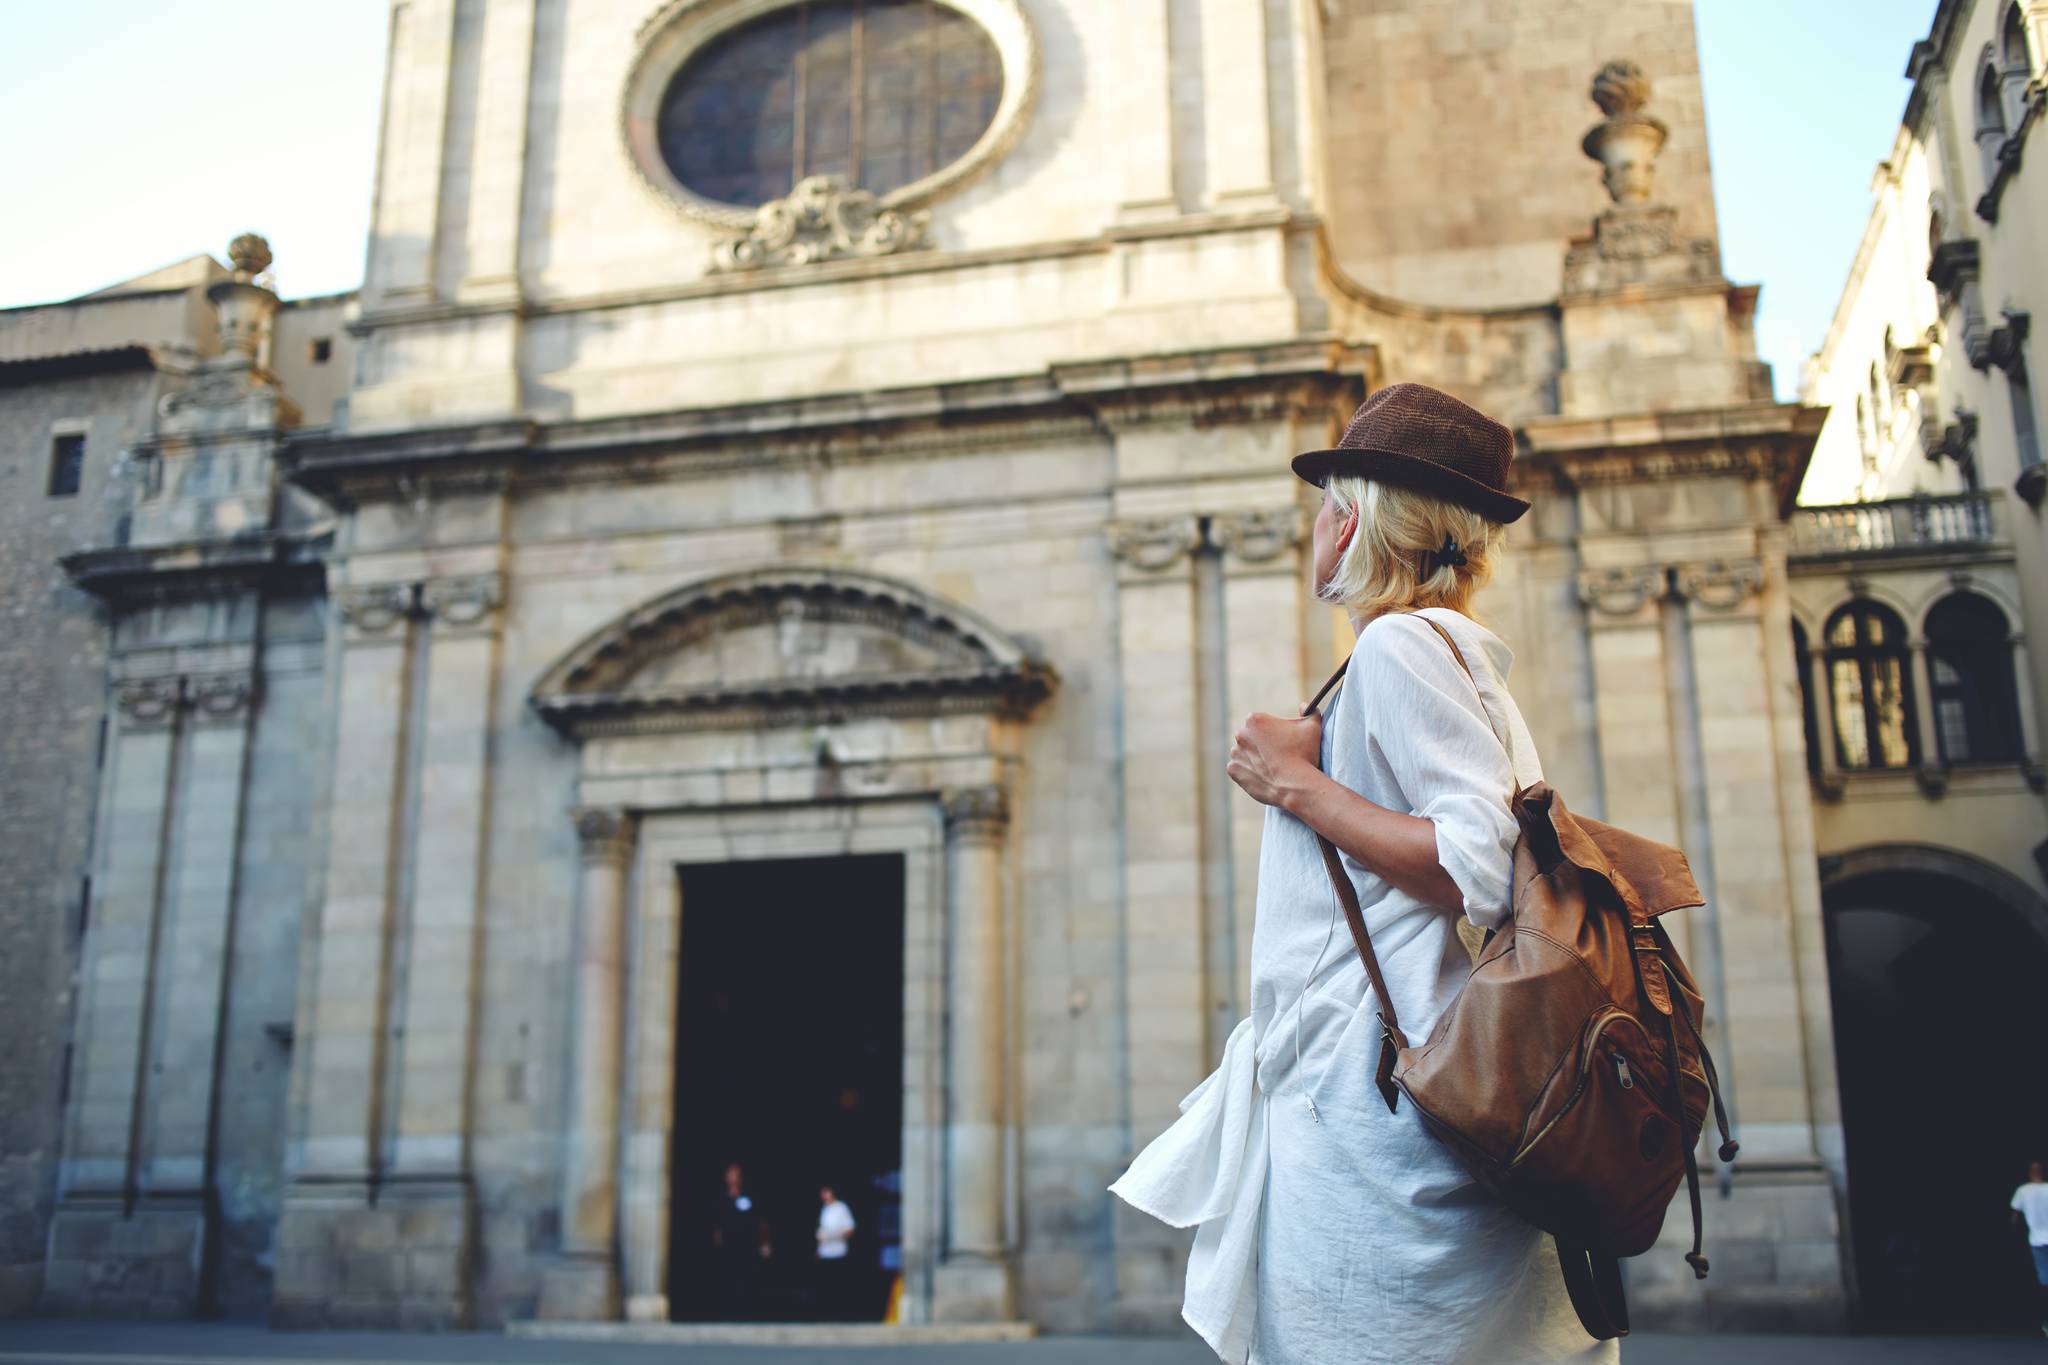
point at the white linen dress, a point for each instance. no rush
(1330, 1231)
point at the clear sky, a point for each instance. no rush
(141, 132)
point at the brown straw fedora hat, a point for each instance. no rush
(1422, 438)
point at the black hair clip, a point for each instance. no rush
(1449, 554)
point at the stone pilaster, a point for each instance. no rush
(333, 1264)
(1237, 115)
(192, 965)
(974, 1281)
(409, 176)
(1145, 142)
(1259, 666)
(498, 151)
(585, 1285)
(88, 1270)
(436, 1005)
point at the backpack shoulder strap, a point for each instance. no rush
(1391, 1037)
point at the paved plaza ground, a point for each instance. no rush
(201, 1344)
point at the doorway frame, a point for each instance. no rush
(913, 829)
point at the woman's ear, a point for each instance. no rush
(1347, 530)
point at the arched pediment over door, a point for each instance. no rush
(792, 712)
(787, 646)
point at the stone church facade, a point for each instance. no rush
(779, 432)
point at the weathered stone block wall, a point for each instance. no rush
(1455, 175)
(52, 700)
(284, 791)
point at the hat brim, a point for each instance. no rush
(1391, 466)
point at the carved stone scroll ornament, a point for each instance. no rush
(373, 608)
(1156, 544)
(462, 601)
(977, 812)
(1256, 537)
(1720, 585)
(147, 701)
(1621, 591)
(220, 697)
(823, 218)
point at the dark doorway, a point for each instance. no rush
(1938, 1041)
(789, 1061)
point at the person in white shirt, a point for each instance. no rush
(1330, 1230)
(835, 1266)
(2030, 1203)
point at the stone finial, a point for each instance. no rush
(250, 255)
(1628, 141)
(1621, 88)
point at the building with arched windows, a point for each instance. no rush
(1919, 573)
(724, 650)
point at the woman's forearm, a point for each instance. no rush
(1396, 847)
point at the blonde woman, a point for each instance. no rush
(1329, 1230)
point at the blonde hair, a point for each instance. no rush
(1386, 567)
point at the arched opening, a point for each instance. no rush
(1935, 963)
(1867, 683)
(1990, 118)
(1969, 656)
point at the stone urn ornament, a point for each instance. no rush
(1628, 141)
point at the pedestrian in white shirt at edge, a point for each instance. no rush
(2030, 1202)
(835, 1232)
(1329, 1230)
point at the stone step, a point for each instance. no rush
(778, 1333)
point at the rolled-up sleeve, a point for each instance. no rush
(1422, 719)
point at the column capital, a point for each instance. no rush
(221, 698)
(1256, 537)
(147, 703)
(1622, 590)
(374, 609)
(1154, 544)
(977, 813)
(463, 601)
(1720, 584)
(604, 832)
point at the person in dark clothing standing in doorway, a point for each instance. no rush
(741, 1244)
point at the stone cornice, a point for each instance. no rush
(1759, 441)
(1077, 401)
(1013, 691)
(134, 575)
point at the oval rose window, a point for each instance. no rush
(880, 92)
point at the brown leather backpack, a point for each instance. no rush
(1568, 1076)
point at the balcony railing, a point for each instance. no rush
(1955, 521)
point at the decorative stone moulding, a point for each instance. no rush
(147, 701)
(1257, 537)
(680, 28)
(1621, 591)
(1719, 585)
(373, 608)
(1155, 544)
(221, 696)
(823, 219)
(950, 661)
(463, 601)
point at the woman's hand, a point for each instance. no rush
(1275, 757)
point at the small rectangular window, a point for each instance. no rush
(67, 464)
(320, 350)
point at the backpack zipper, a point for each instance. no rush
(1601, 1021)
